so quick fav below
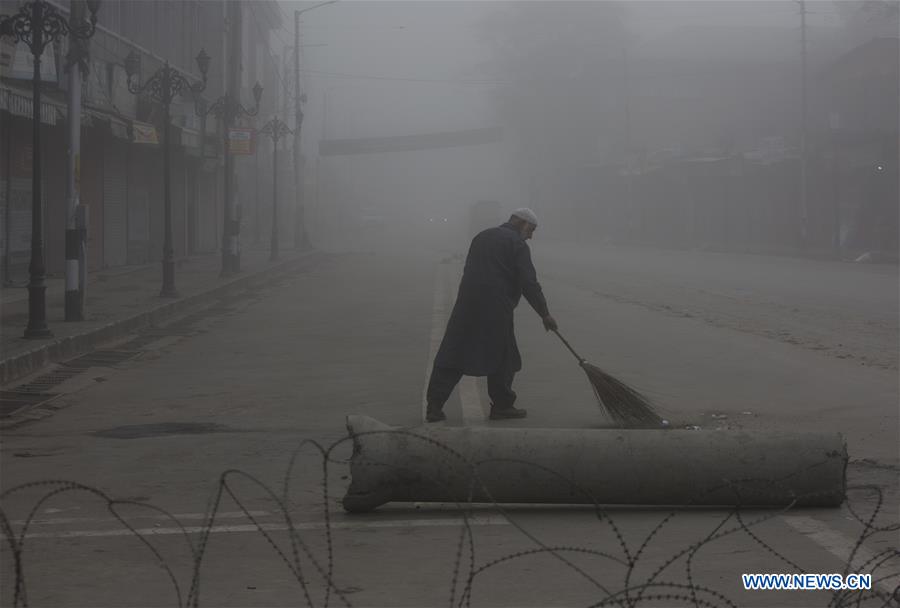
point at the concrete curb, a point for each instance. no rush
(17, 366)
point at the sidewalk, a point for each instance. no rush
(119, 301)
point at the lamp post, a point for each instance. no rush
(163, 86)
(276, 129)
(38, 24)
(228, 109)
(301, 235)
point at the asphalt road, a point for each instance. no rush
(719, 341)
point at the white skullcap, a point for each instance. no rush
(526, 214)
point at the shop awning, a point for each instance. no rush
(117, 126)
(18, 102)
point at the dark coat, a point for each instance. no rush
(480, 339)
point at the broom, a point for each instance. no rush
(622, 403)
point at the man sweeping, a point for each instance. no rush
(479, 340)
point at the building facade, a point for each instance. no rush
(121, 171)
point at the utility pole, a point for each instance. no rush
(629, 178)
(287, 75)
(834, 121)
(276, 129)
(228, 108)
(231, 256)
(301, 237)
(256, 234)
(804, 220)
(77, 65)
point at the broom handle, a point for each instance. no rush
(569, 346)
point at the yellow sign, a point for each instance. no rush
(241, 142)
(144, 133)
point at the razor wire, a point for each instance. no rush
(307, 565)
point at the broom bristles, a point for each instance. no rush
(625, 405)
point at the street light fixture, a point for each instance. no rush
(228, 109)
(39, 24)
(165, 84)
(276, 129)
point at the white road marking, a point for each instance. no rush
(473, 409)
(438, 322)
(841, 546)
(154, 515)
(472, 406)
(275, 527)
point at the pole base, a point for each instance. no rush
(168, 287)
(37, 333)
(303, 243)
(227, 265)
(37, 311)
(73, 306)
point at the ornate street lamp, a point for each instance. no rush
(38, 24)
(276, 129)
(165, 84)
(228, 110)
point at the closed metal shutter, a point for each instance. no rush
(17, 212)
(139, 205)
(115, 216)
(92, 192)
(191, 194)
(178, 187)
(207, 213)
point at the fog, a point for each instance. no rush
(235, 317)
(589, 96)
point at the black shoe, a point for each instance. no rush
(434, 413)
(507, 413)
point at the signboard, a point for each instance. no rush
(241, 142)
(144, 133)
(405, 143)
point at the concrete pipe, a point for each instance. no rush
(603, 466)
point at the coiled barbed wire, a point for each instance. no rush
(466, 569)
